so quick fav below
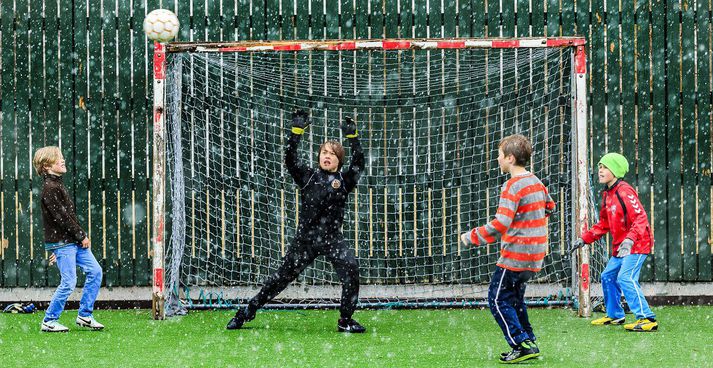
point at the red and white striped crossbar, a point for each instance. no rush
(387, 44)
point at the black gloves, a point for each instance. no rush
(349, 127)
(300, 121)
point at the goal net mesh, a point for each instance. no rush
(429, 123)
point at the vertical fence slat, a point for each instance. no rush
(38, 108)
(110, 116)
(567, 18)
(584, 20)
(626, 52)
(492, 13)
(22, 127)
(553, 22)
(391, 127)
(450, 127)
(417, 195)
(52, 112)
(703, 101)
(659, 214)
(405, 205)
(523, 18)
(688, 125)
(507, 18)
(80, 160)
(142, 122)
(673, 141)
(379, 257)
(613, 73)
(7, 198)
(435, 135)
(538, 18)
(642, 163)
(125, 127)
(597, 128)
(95, 224)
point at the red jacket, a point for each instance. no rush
(624, 217)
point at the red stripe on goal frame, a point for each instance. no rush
(289, 47)
(396, 45)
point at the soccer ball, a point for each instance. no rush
(161, 25)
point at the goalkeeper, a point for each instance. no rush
(324, 195)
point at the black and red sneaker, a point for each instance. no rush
(349, 325)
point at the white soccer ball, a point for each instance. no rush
(161, 25)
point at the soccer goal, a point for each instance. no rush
(430, 114)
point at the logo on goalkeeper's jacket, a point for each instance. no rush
(336, 184)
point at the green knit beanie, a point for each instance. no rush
(616, 163)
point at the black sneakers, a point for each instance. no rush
(344, 325)
(349, 325)
(526, 350)
(240, 318)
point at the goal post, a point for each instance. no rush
(430, 114)
(582, 207)
(158, 180)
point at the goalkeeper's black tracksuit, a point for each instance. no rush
(322, 203)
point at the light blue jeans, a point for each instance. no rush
(68, 258)
(622, 275)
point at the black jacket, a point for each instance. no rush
(58, 214)
(324, 194)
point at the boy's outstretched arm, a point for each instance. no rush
(494, 229)
(550, 205)
(599, 229)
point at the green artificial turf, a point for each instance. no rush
(395, 338)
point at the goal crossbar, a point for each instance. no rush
(385, 44)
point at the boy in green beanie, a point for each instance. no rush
(624, 217)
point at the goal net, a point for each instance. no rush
(430, 116)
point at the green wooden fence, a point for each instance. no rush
(78, 74)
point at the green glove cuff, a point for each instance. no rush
(298, 131)
(356, 134)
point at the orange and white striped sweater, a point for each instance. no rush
(520, 222)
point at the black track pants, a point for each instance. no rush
(297, 258)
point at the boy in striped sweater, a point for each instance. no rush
(521, 223)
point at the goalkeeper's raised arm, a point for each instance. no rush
(351, 177)
(298, 170)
